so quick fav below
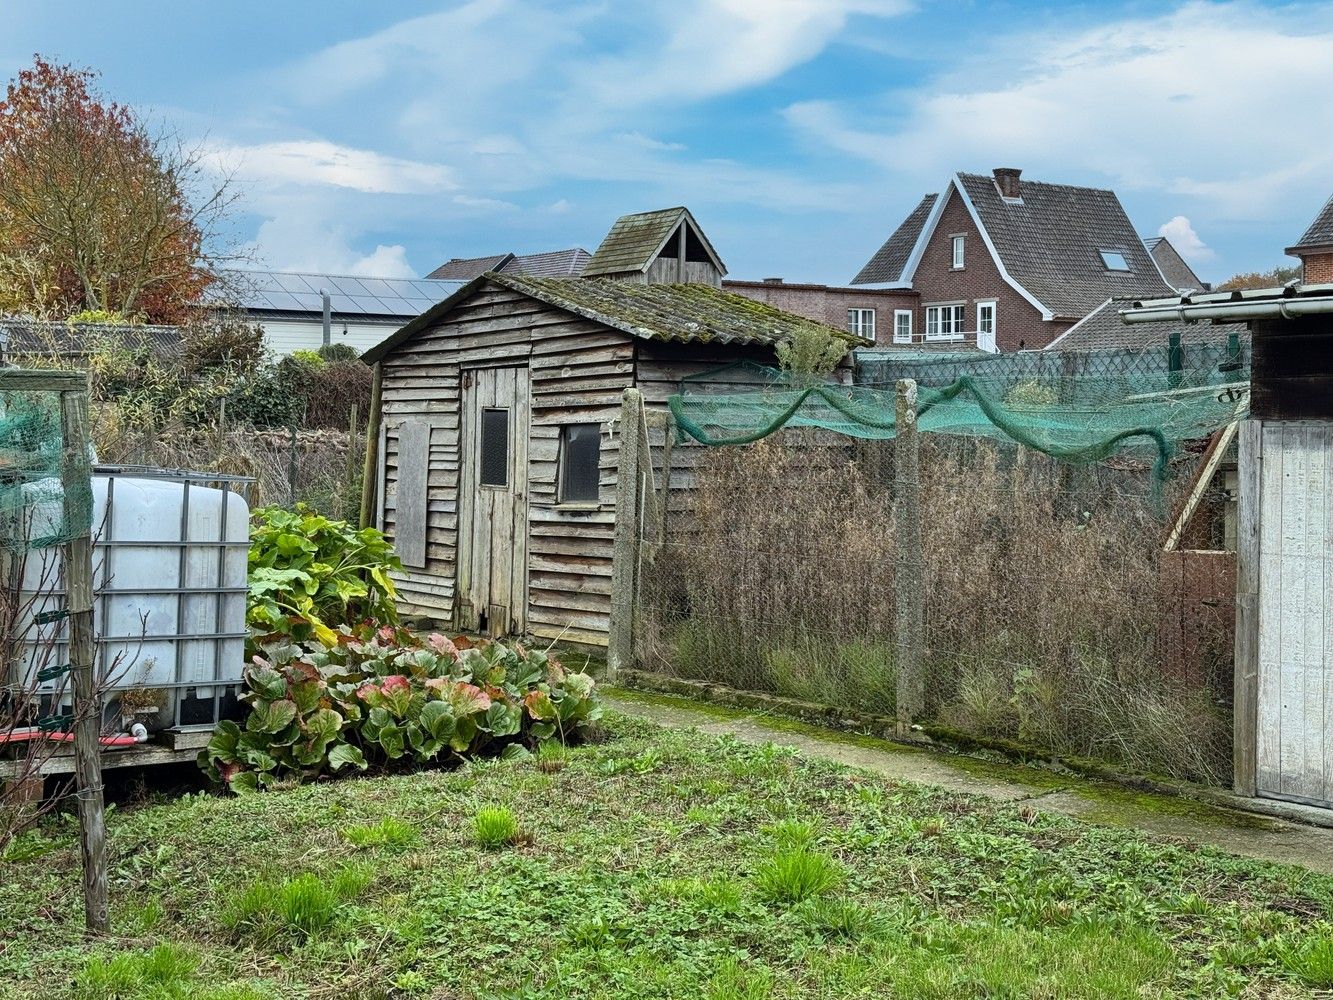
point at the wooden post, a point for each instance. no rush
(291, 465)
(76, 478)
(1245, 695)
(909, 568)
(625, 550)
(351, 458)
(370, 467)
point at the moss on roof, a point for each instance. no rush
(687, 313)
(635, 241)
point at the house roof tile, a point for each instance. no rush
(1319, 233)
(1103, 329)
(1175, 269)
(550, 262)
(887, 265)
(1050, 240)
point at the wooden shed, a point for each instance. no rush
(498, 444)
(1283, 680)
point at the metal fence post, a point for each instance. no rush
(909, 575)
(625, 550)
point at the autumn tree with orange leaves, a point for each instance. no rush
(96, 211)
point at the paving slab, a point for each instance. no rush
(1246, 834)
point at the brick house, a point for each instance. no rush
(1006, 264)
(867, 312)
(1315, 248)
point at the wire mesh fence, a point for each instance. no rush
(1055, 611)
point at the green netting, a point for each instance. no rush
(35, 510)
(1075, 418)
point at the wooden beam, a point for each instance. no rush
(625, 550)
(1217, 448)
(76, 479)
(1245, 693)
(37, 380)
(370, 471)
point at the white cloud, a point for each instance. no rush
(1186, 241)
(298, 236)
(492, 204)
(317, 161)
(1187, 103)
(720, 46)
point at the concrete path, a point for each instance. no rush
(1237, 832)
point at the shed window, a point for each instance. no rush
(494, 446)
(580, 463)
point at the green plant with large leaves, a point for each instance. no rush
(309, 573)
(385, 697)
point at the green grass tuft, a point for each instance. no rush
(494, 827)
(388, 832)
(163, 972)
(1311, 961)
(795, 874)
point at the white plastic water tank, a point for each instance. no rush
(169, 578)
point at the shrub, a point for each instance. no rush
(339, 352)
(494, 827)
(307, 571)
(387, 697)
(795, 874)
(311, 358)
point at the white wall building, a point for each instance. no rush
(289, 305)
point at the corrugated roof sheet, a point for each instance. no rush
(1104, 328)
(1175, 269)
(1050, 241)
(887, 265)
(349, 295)
(685, 313)
(1319, 233)
(41, 337)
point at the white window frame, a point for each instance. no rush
(857, 325)
(959, 251)
(982, 305)
(898, 316)
(937, 328)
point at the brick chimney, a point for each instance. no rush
(1006, 179)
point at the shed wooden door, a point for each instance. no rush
(1294, 752)
(493, 514)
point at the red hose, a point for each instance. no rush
(23, 735)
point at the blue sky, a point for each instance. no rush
(385, 138)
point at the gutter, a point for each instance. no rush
(1186, 312)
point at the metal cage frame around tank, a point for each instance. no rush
(105, 546)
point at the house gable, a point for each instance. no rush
(1019, 323)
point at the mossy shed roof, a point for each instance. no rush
(635, 241)
(693, 313)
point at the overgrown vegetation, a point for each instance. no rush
(308, 574)
(649, 882)
(1047, 619)
(383, 697)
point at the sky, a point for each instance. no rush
(386, 138)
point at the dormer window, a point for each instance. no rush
(958, 248)
(1114, 260)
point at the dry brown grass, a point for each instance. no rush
(1043, 610)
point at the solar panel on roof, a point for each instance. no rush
(291, 283)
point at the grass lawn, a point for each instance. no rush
(656, 864)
